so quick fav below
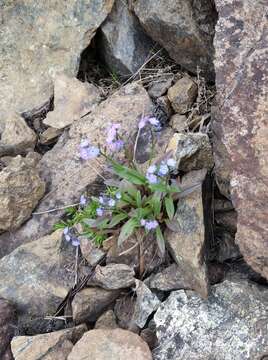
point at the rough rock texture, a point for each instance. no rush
(114, 344)
(90, 251)
(16, 133)
(231, 324)
(106, 321)
(51, 346)
(192, 151)
(89, 303)
(113, 276)
(159, 87)
(183, 27)
(49, 135)
(34, 278)
(123, 44)
(7, 328)
(182, 94)
(187, 241)
(72, 100)
(178, 122)
(39, 40)
(66, 174)
(20, 190)
(240, 124)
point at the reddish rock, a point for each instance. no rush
(241, 121)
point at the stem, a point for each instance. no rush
(76, 266)
(141, 254)
(135, 146)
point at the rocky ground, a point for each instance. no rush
(68, 70)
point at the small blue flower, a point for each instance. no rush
(65, 230)
(111, 202)
(99, 211)
(163, 170)
(118, 195)
(83, 200)
(75, 241)
(143, 222)
(151, 225)
(101, 200)
(171, 162)
(152, 178)
(151, 169)
(153, 121)
(87, 151)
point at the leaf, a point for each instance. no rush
(156, 203)
(140, 212)
(160, 240)
(127, 230)
(169, 205)
(117, 219)
(138, 198)
(174, 189)
(129, 174)
(100, 223)
(173, 225)
(158, 187)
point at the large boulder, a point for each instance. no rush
(231, 324)
(184, 28)
(123, 43)
(240, 122)
(38, 40)
(7, 328)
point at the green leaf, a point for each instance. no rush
(156, 203)
(117, 219)
(169, 205)
(160, 240)
(129, 174)
(140, 212)
(127, 230)
(174, 189)
(158, 187)
(138, 198)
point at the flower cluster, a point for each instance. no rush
(107, 202)
(88, 151)
(149, 224)
(70, 236)
(83, 201)
(149, 120)
(113, 140)
(155, 171)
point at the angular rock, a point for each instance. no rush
(34, 278)
(7, 328)
(72, 100)
(52, 346)
(113, 276)
(231, 324)
(67, 176)
(240, 122)
(123, 43)
(49, 135)
(124, 310)
(178, 122)
(21, 190)
(160, 86)
(149, 336)
(184, 28)
(225, 247)
(145, 305)
(89, 303)
(187, 241)
(192, 151)
(17, 134)
(106, 321)
(40, 40)
(113, 344)
(90, 251)
(182, 94)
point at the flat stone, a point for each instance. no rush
(123, 44)
(90, 251)
(240, 122)
(116, 344)
(184, 28)
(89, 303)
(72, 100)
(231, 324)
(106, 321)
(52, 346)
(7, 328)
(182, 94)
(178, 122)
(49, 135)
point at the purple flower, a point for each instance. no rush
(152, 178)
(151, 169)
(75, 241)
(66, 230)
(116, 145)
(87, 151)
(84, 143)
(83, 200)
(143, 222)
(151, 225)
(113, 141)
(171, 162)
(142, 123)
(99, 211)
(101, 200)
(111, 202)
(67, 237)
(163, 170)
(153, 121)
(118, 195)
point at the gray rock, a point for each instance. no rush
(7, 328)
(184, 28)
(106, 321)
(160, 86)
(90, 251)
(89, 303)
(187, 240)
(146, 303)
(123, 44)
(231, 324)
(113, 276)
(178, 122)
(182, 94)
(34, 277)
(225, 247)
(49, 136)
(39, 40)
(20, 191)
(72, 100)
(124, 310)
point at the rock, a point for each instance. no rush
(21, 190)
(149, 336)
(35, 279)
(113, 276)
(182, 94)
(145, 305)
(124, 310)
(90, 251)
(222, 205)
(38, 41)
(184, 28)
(231, 324)
(225, 247)
(7, 328)
(72, 100)
(178, 122)
(163, 109)
(49, 135)
(67, 176)
(160, 86)
(227, 220)
(192, 151)
(16, 133)
(188, 240)
(52, 346)
(106, 321)
(240, 122)
(123, 43)
(113, 344)
(89, 303)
